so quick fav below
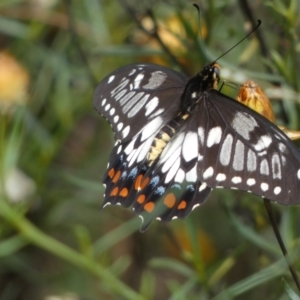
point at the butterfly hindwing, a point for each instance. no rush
(126, 163)
(171, 189)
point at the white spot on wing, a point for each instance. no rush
(251, 161)
(151, 128)
(132, 72)
(180, 176)
(264, 167)
(120, 126)
(277, 190)
(298, 174)
(151, 105)
(111, 78)
(119, 149)
(107, 107)
(112, 111)
(116, 119)
(276, 167)
(202, 187)
(262, 153)
(214, 136)
(267, 140)
(226, 148)
(172, 172)
(251, 181)
(145, 149)
(195, 206)
(190, 146)
(243, 124)
(238, 159)
(157, 113)
(131, 154)
(201, 134)
(156, 80)
(170, 161)
(132, 158)
(236, 179)
(208, 172)
(137, 80)
(130, 147)
(282, 147)
(260, 145)
(103, 102)
(221, 177)
(191, 176)
(125, 131)
(264, 186)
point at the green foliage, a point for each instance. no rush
(54, 148)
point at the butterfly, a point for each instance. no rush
(178, 138)
(252, 96)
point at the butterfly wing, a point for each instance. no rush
(173, 188)
(240, 149)
(145, 98)
(132, 96)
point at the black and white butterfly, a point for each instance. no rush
(178, 138)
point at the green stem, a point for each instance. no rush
(37, 237)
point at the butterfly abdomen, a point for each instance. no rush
(163, 137)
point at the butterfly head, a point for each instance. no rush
(210, 75)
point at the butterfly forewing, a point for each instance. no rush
(245, 151)
(132, 96)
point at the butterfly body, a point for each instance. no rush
(176, 139)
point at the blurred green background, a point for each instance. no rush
(54, 242)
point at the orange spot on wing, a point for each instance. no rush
(111, 173)
(170, 200)
(138, 182)
(149, 207)
(124, 192)
(145, 182)
(114, 192)
(141, 199)
(182, 205)
(116, 177)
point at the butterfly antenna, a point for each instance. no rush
(199, 28)
(258, 24)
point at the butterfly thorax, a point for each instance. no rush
(206, 80)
